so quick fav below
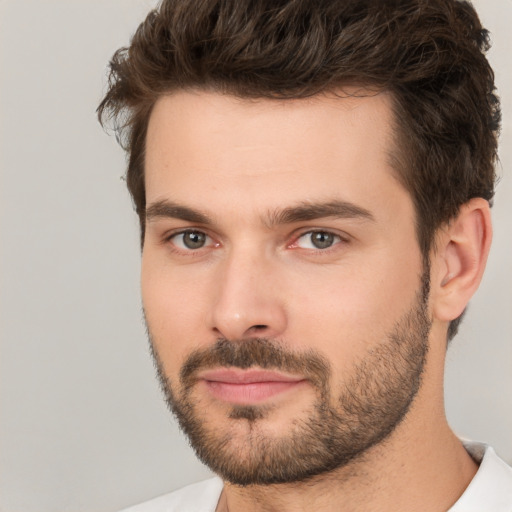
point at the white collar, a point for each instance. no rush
(491, 488)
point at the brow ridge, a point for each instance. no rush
(169, 209)
(311, 211)
(300, 213)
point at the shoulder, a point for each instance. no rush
(491, 488)
(198, 497)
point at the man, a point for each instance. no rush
(313, 183)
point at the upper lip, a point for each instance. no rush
(251, 376)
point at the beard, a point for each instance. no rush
(337, 429)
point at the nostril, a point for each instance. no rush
(259, 327)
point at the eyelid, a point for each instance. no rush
(343, 238)
(213, 242)
(170, 235)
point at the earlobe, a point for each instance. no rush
(460, 259)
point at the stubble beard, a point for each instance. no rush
(338, 429)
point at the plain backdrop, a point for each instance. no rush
(83, 426)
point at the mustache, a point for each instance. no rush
(256, 352)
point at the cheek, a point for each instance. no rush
(345, 312)
(337, 319)
(174, 311)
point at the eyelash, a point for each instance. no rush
(169, 239)
(339, 239)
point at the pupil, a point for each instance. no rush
(322, 240)
(194, 240)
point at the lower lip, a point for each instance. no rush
(249, 393)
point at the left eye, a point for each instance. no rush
(191, 240)
(318, 240)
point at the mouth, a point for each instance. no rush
(246, 387)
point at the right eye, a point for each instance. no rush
(190, 240)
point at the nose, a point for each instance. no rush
(247, 300)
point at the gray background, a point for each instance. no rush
(83, 426)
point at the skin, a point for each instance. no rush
(239, 163)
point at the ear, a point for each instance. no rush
(459, 259)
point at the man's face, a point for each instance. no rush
(282, 283)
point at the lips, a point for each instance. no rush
(248, 386)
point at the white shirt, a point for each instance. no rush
(491, 487)
(489, 491)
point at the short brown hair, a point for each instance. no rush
(430, 54)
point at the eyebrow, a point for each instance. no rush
(163, 209)
(300, 213)
(311, 211)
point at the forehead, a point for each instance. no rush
(204, 117)
(264, 152)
